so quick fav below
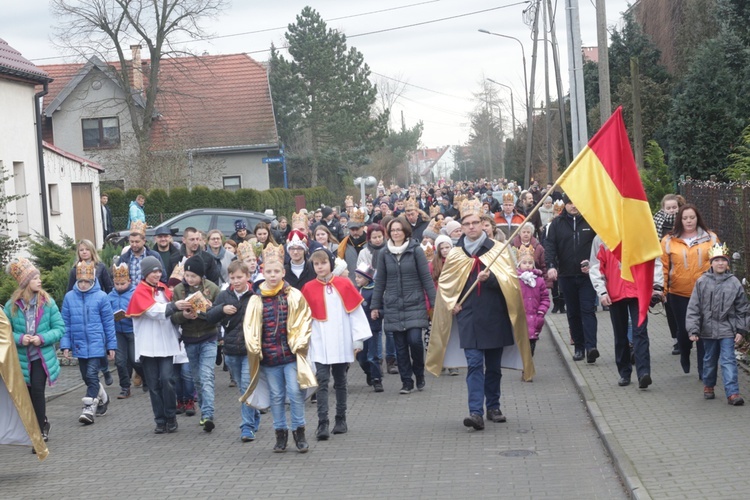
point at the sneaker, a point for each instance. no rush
(453, 372)
(232, 383)
(420, 383)
(88, 411)
(592, 355)
(45, 430)
(180, 408)
(314, 399)
(124, 393)
(189, 407)
(247, 436)
(735, 400)
(137, 380)
(406, 389)
(377, 386)
(208, 424)
(708, 393)
(171, 425)
(644, 381)
(108, 380)
(101, 408)
(495, 415)
(160, 428)
(578, 355)
(475, 421)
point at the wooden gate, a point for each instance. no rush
(83, 211)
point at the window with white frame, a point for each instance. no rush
(232, 182)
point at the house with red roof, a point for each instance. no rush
(58, 190)
(432, 164)
(212, 126)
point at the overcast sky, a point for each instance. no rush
(443, 62)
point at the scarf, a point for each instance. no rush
(267, 291)
(397, 250)
(472, 247)
(374, 251)
(529, 278)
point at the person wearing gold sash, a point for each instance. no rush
(491, 320)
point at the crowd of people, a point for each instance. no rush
(435, 278)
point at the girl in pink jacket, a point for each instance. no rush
(535, 296)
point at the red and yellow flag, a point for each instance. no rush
(604, 184)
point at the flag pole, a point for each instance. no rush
(512, 236)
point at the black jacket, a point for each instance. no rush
(567, 244)
(234, 334)
(107, 226)
(418, 229)
(212, 270)
(308, 274)
(174, 258)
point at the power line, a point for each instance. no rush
(418, 87)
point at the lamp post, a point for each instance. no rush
(529, 111)
(363, 182)
(512, 106)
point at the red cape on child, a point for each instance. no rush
(144, 297)
(314, 292)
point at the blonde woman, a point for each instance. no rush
(86, 252)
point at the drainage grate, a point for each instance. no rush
(517, 453)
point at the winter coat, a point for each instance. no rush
(234, 333)
(400, 287)
(102, 275)
(376, 325)
(171, 262)
(147, 252)
(684, 264)
(222, 262)
(535, 302)
(212, 269)
(567, 244)
(119, 302)
(605, 274)
(539, 261)
(49, 326)
(308, 274)
(718, 307)
(135, 213)
(199, 329)
(350, 254)
(89, 323)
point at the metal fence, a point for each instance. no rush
(725, 209)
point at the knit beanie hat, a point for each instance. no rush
(326, 211)
(150, 264)
(440, 240)
(23, 271)
(195, 265)
(240, 224)
(450, 227)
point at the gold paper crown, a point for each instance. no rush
(138, 227)
(508, 197)
(299, 220)
(458, 199)
(429, 251)
(434, 210)
(357, 217)
(273, 253)
(718, 251)
(349, 201)
(244, 250)
(198, 302)
(411, 204)
(178, 272)
(120, 271)
(525, 250)
(557, 207)
(85, 271)
(470, 206)
(22, 271)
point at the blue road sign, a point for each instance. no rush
(273, 159)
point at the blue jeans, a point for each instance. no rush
(580, 304)
(390, 346)
(182, 380)
(483, 378)
(282, 384)
(239, 368)
(371, 355)
(158, 373)
(623, 313)
(90, 374)
(720, 351)
(409, 354)
(125, 359)
(202, 357)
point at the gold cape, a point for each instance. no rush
(453, 278)
(10, 370)
(299, 329)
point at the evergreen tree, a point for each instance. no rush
(324, 101)
(656, 178)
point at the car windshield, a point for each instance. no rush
(201, 222)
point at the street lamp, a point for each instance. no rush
(512, 106)
(528, 107)
(363, 182)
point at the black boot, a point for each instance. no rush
(300, 440)
(340, 425)
(282, 436)
(322, 433)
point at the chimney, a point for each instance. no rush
(136, 70)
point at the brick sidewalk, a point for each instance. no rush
(397, 447)
(667, 441)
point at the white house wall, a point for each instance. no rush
(63, 172)
(18, 151)
(249, 166)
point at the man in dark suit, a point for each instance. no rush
(107, 226)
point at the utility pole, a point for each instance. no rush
(575, 70)
(558, 82)
(635, 75)
(548, 118)
(605, 98)
(530, 102)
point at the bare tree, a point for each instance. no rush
(107, 28)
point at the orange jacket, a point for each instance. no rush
(684, 264)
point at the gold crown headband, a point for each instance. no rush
(85, 271)
(120, 271)
(718, 251)
(273, 253)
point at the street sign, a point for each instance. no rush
(273, 159)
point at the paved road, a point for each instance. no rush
(667, 441)
(397, 446)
